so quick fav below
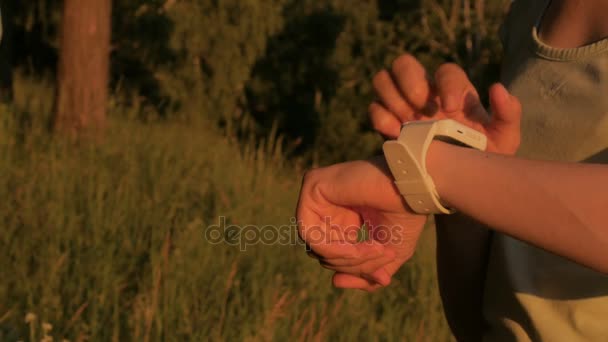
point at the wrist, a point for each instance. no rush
(437, 165)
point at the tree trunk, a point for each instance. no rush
(83, 70)
(6, 55)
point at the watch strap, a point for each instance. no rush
(409, 170)
(406, 158)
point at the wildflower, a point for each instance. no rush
(30, 317)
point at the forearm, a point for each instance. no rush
(557, 206)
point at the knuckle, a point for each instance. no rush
(313, 181)
(401, 109)
(365, 270)
(310, 181)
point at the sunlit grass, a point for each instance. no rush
(106, 242)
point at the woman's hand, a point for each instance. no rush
(335, 202)
(407, 93)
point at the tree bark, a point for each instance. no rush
(83, 71)
(6, 55)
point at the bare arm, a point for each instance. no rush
(462, 243)
(560, 207)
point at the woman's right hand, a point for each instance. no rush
(406, 93)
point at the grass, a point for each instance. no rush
(107, 243)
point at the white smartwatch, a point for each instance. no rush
(406, 158)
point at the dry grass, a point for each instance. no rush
(107, 243)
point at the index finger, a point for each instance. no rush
(390, 96)
(413, 82)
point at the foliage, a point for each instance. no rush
(301, 67)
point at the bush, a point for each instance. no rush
(300, 67)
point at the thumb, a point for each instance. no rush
(504, 130)
(506, 109)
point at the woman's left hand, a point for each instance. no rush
(335, 202)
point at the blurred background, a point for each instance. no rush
(129, 127)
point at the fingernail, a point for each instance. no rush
(416, 95)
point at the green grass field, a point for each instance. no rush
(107, 243)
